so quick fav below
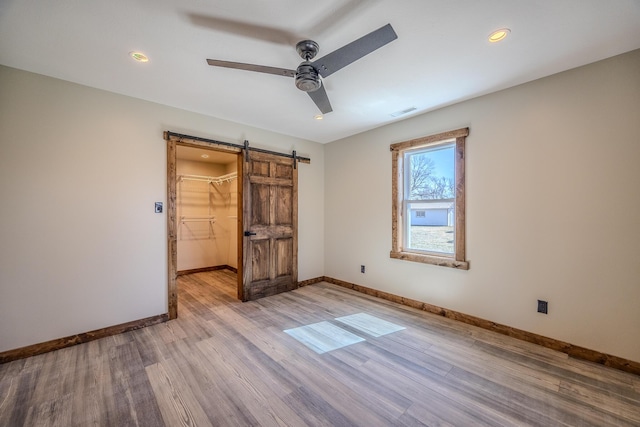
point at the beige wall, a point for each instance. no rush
(553, 208)
(80, 170)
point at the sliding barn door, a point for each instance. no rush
(270, 219)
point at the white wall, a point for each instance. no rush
(80, 170)
(232, 219)
(553, 208)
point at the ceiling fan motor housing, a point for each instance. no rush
(307, 78)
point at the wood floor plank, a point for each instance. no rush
(52, 412)
(255, 390)
(262, 336)
(622, 407)
(486, 364)
(342, 397)
(135, 402)
(420, 416)
(432, 398)
(19, 389)
(217, 401)
(560, 370)
(528, 409)
(387, 347)
(315, 409)
(8, 388)
(177, 403)
(227, 363)
(150, 345)
(86, 399)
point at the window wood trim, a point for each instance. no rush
(397, 189)
(431, 139)
(460, 251)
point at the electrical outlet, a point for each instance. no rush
(362, 269)
(158, 207)
(543, 307)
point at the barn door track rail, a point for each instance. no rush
(184, 138)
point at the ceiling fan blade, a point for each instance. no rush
(338, 15)
(355, 50)
(321, 99)
(251, 67)
(244, 29)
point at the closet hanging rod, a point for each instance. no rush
(197, 219)
(211, 179)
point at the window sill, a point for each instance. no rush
(430, 259)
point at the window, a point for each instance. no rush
(428, 199)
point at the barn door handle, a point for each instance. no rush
(249, 233)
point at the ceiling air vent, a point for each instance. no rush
(403, 112)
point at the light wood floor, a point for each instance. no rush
(223, 362)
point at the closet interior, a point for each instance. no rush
(207, 209)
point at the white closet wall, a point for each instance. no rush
(206, 234)
(232, 219)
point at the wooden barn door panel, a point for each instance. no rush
(270, 218)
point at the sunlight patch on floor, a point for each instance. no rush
(370, 324)
(324, 336)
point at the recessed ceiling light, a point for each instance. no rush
(318, 117)
(498, 35)
(139, 56)
(205, 156)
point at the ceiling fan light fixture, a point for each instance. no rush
(499, 35)
(307, 79)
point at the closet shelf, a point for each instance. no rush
(210, 179)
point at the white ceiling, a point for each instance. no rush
(441, 56)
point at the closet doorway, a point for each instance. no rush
(208, 199)
(204, 209)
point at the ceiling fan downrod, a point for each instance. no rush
(307, 78)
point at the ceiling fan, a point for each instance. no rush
(308, 74)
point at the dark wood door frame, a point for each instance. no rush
(172, 220)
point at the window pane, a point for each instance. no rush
(431, 190)
(433, 231)
(431, 173)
